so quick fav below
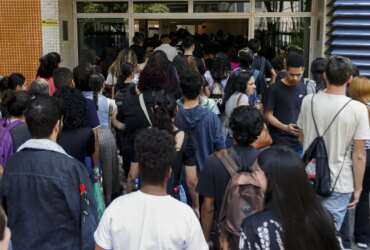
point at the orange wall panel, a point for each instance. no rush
(20, 37)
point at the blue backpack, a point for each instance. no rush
(6, 142)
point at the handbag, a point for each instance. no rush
(98, 192)
(264, 139)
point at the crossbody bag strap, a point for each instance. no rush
(335, 117)
(228, 162)
(144, 109)
(313, 116)
(341, 168)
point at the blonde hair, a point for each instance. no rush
(359, 89)
(125, 56)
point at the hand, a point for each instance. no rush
(292, 129)
(355, 198)
(260, 176)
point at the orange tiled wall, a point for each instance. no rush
(20, 37)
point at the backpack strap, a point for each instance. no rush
(228, 162)
(341, 168)
(144, 109)
(332, 121)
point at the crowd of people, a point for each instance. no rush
(187, 142)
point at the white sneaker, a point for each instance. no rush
(362, 245)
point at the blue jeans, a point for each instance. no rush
(337, 204)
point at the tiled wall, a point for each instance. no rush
(20, 37)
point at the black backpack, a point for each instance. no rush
(316, 160)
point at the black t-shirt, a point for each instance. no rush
(285, 103)
(214, 177)
(20, 134)
(79, 143)
(140, 53)
(261, 63)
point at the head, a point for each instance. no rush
(48, 63)
(39, 87)
(13, 82)
(17, 81)
(245, 58)
(158, 59)
(295, 69)
(81, 76)
(255, 45)
(153, 79)
(219, 70)
(63, 77)
(126, 74)
(138, 39)
(155, 150)
(96, 83)
(188, 43)
(338, 71)
(243, 82)
(15, 103)
(318, 67)
(278, 63)
(165, 38)
(246, 123)
(191, 85)
(44, 118)
(74, 108)
(125, 56)
(292, 200)
(359, 89)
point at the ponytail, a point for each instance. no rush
(163, 111)
(96, 83)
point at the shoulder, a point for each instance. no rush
(263, 219)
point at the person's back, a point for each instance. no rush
(203, 127)
(150, 218)
(346, 122)
(47, 191)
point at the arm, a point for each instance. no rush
(289, 128)
(97, 247)
(132, 175)
(273, 76)
(96, 154)
(207, 214)
(359, 161)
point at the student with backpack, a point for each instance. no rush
(293, 217)
(203, 127)
(13, 129)
(332, 123)
(246, 124)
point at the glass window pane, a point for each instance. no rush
(102, 35)
(102, 7)
(221, 6)
(283, 5)
(160, 7)
(278, 33)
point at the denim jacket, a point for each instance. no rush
(48, 198)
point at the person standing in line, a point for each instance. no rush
(347, 124)
(359, 90)
(293, 217)
(48, 63)
(46, 192)
(150, 218)
(166, 47)
(283, 105)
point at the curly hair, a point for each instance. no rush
(164, 111)
(155, 150)
(153, 78)
(74, 108)
(246, 123)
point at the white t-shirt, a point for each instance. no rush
(169, 50)
(351, 124)
(236, 100)
(140, 221)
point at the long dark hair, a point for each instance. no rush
(237, 83)
(164, 111)
(292, 200)
(318, 67)
(96, 83)
(48, 63)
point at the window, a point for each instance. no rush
(283, 5)
(221, 6)
(102, 7)
(160, 7)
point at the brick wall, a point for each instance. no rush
(20, 37)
